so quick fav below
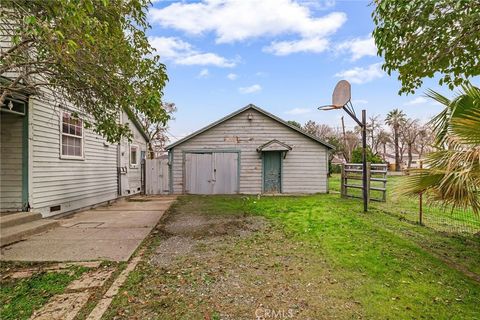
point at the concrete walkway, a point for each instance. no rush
(106, 233)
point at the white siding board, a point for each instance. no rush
(304, 169)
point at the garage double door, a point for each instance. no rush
(211, 173)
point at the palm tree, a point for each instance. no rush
(452, 173)
(395, 119)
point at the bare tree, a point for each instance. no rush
(157, 131)
(383, 139)
(424, 140)
(351, 142)
(322, 131)
(409, 136)
(373, 128)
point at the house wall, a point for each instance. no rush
(70, 184)
(304, 168)
(131, 181)
(11, 126)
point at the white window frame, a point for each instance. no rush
(137, 160)
(69, 157)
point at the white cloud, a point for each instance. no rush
(358, 47)
(232, 76)
(205, 59)
(250, 89)
(283, 48)
(317, 4)
(297, 111)
(204, 73)
(418, 100)
(361, 75)
(233, 20)
(183, 53)
(261, 74)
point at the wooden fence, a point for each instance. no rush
(376, 181)
(156, 176)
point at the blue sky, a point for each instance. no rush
(284, 56)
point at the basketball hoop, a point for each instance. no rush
(341, 96)
(341, 99)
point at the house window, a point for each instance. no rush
(72, 137)
(133, 156)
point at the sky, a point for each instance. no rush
(284, 56)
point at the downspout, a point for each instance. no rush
(119, 170)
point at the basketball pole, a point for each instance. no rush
(363, 127)
(341, 98)
(364, 160)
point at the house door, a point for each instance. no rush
(272, 172)
(13, 160)
(211, 173)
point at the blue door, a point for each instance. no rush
(272, 172)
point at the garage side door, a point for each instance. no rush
(225, 166)
(198, 173)
(211, 173)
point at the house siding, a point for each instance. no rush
(132, 181)
(11, 130)
(304, 170)
(72, 184)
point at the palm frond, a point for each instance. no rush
(452, 174)
(467, 127)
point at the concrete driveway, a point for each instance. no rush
(106, 233)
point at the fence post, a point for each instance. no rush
(342, 186)
(384, 176)
(420, 202)
(368, 181)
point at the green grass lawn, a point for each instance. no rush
(396, 268)
(20, 297)
(387, 267)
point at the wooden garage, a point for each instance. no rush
(250, 152)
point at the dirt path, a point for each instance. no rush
(211, 266)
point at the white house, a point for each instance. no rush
(249, 151)
(51, 164)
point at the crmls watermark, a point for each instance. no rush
(267, 313)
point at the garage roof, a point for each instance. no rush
(254, 107)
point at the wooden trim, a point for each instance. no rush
(25, 160)
(281, 170)
(170, 171)
(136, 164)
(69, 157)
